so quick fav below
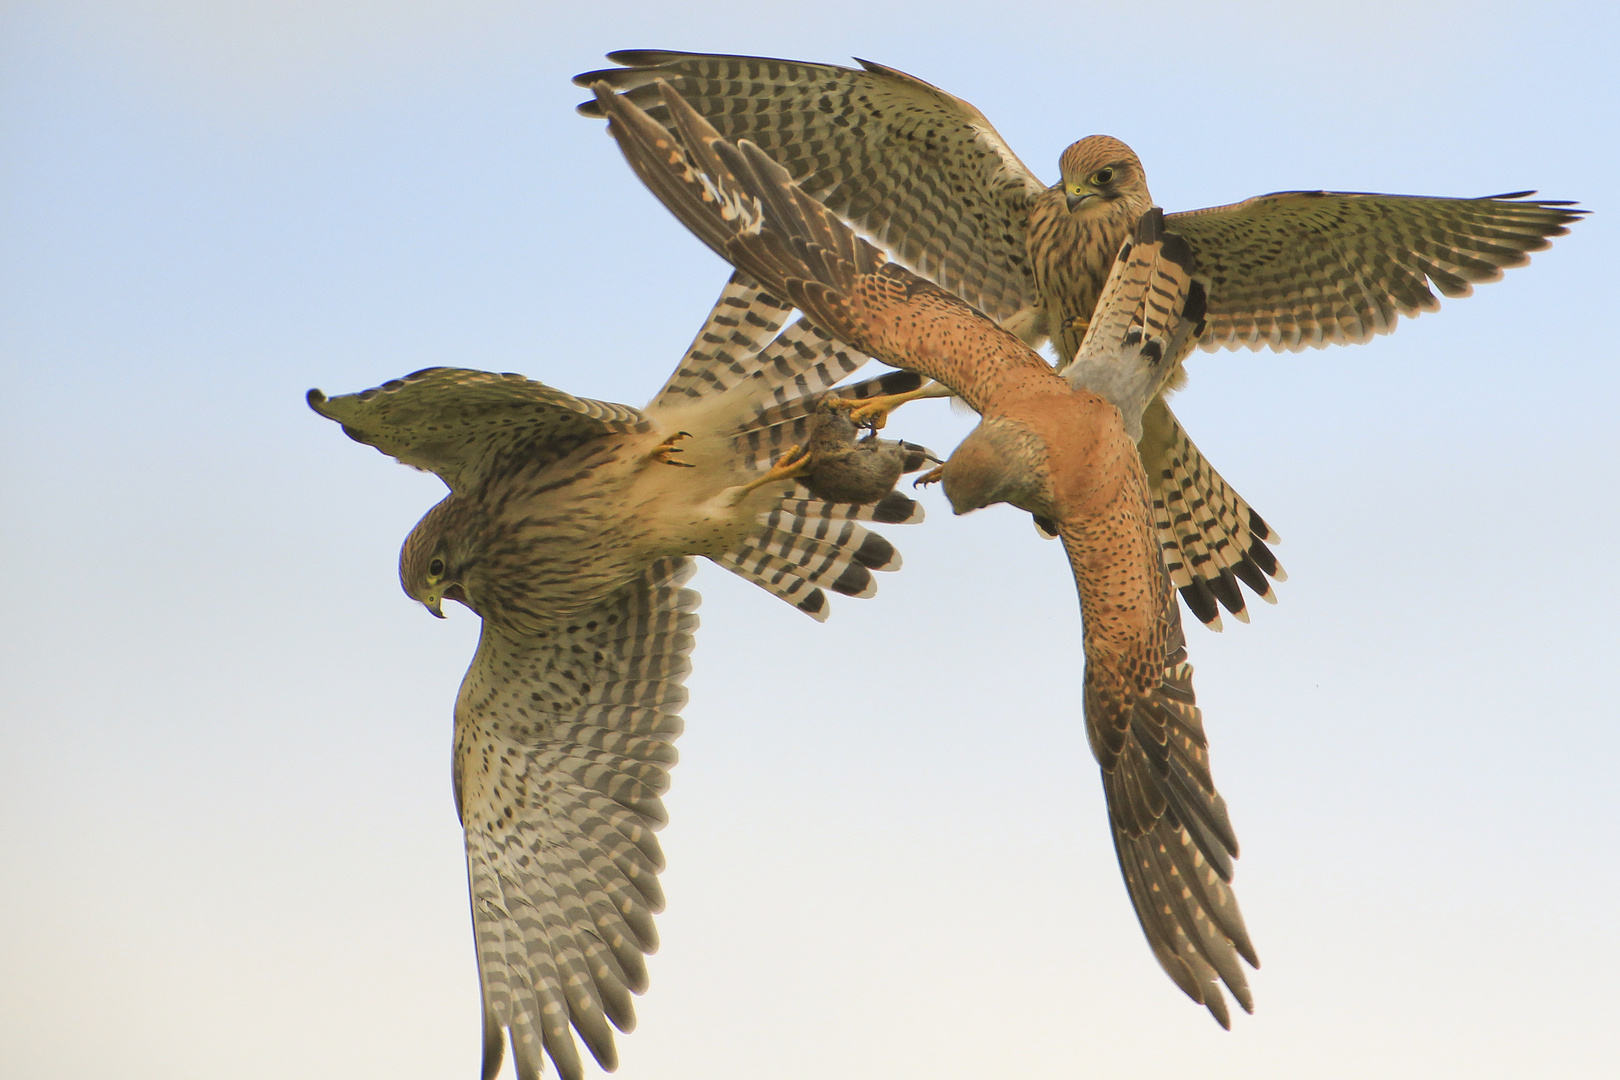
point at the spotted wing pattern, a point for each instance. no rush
(1303, 269)
(920, 171)
(563, 745)
(457, 422)
(1172, 835)
(804, 544)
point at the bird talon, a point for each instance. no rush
(873, 412)
(665, 451)
(932, 476)
(861, 413)
(793, 462)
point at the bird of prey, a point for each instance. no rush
(924, 174)
(1058, 452)
(569, 529)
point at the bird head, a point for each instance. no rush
(432, 564)
(999, 461)
(1099, 171)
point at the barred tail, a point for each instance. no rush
(1212, 539)
(805, 545)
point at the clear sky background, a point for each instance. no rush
(226, 829)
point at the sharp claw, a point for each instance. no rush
(665, 451)
(932, 476)
(795, 462)
(867, 414)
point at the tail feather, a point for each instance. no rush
(894, 508)
(780, 579)
(729, 347)
(832, 565)
(1212, 538)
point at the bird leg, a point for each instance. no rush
(932, 476)
(665, 451)
(1077, 325)
(873, 412)
(795, 462)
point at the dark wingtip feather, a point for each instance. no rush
(856, 580)
(647, 57)
(1247, 572)
(494, 1047)
(1262, 557)
(914, 456)
(1200, 601)
(894, 509)
(875, 552)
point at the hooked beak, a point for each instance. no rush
(1075, 201)
(433, 605)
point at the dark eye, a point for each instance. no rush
(436, 568)
(1102, 176)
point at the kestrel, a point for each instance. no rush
(569, 529)
(924, 174)
(1063, 454)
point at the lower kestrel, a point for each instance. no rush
(569, 530)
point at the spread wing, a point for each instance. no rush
(1172, 835)
(1174, 841)
(1300, 269)
(563, 746)
(457, 423)
(920, 171)
(749, 211)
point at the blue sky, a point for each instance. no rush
(225, 806)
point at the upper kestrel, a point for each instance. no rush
(568, 529)
(925, 175)
(1059, 452)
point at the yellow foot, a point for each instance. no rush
(795, 462)
(666, 451)
(873, 412)
(932, 476)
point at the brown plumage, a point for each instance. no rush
(924, 174)
(1060, 453)
(568, 529)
